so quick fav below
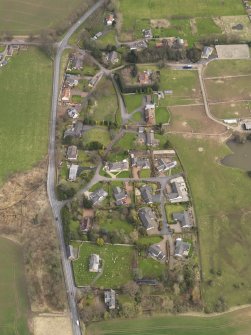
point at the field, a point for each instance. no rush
(193, 119)
(133, 101)
(235, 323)
(221, 68)
(117, 265)
(13, 300)
(97, 134)
(24, 17)
(222, 205)
(231, 110)
(25, 85)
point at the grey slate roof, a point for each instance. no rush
(181, 248)
(155, 252)
(183, 219)
(72, 152)
(147, 217)
(76, 130)
(98, 195)
(110, 299)
(119, 195)
(146, 193)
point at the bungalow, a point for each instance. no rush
(98, 196)
(66, 94)
(162, 165)
(150, 114)
(70, 252)
(94, 263)
(72, 153)
(155, 252)
(178, 190)
(147, 218)
(86, 224)
(147, 33)
(146, 194)
(183, 218)
(120, 196)
(72, 113)
(110, 19)
(181, 248)
(110, 299)
(76, 130)
(73, 172)
(207, 52)
(117, 166)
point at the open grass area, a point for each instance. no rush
(24, 17)
(111, 221)
(231, 110)
(25, 85)
(119, 150)
(162, 115)
(116, 264)
(13, 299)
(222, 204)
(97, 134)
(234, 323)
(133, 101)
(150, 268)
(224, 67)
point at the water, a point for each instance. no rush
(241, 157)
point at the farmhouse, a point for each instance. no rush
(70, 252)
(161, 165)
(98, 196)
(147, 218)
(73, 172)
(72, 153)
(181, 248)
(150, 114)
(155, 252)
(146, 194)
(66, 94)
(178, 192)
(207, 52)
(120, 196)
(183, 219)
(117, 166)
(110, 299)
(94, 263)
(76, 130)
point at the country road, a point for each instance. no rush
(55, 204)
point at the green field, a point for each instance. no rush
(25, 86)
(235, 323)
(222, 204)
(221, 68)
(117, 265)
(133, 101)
(231, 110)
(13, 299)
(97, 134)
(23, 17)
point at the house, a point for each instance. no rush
(147, 33)
(73, 172)
(71, 81)
(140, 162)
(120, 196)
(162, 165)
(117, 166)
(178, 190)
(72, 113)
(110, 19)
(110, 299)
(86, 224)
(72, 153)
(147, 218)
(77, 61)
(150, 140)
(207, 52)
(66, 94)
(183, 219)
(98, 196)
(181, 248)
(141, 130)
(113, 57)
(150, 114)
(146, 194)
(94, 263)
(247, 125)
(155, 252)
(76, 130)
(70, 252)
(144, 78)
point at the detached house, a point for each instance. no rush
(110, 299)
(146, 194)
(72, 153)
(181, 248)
(66, 95)
(179, 191)
(147, 218)
(150, 114)
(183, 219)
(73, 172)
(94, 263)
(120, 196)
(98, 196)
(155, 252)
(117, 166)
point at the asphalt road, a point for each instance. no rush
(55, 204)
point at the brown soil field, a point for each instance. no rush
(193, 119)
(51, 324)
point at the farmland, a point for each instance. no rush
(221, 68)
(13, 300)
(21, 18)
(231, 324)
(222, 203)
(25, 85)
(231, 110)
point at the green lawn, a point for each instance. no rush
(231, 110)
(173, 208)
(25, 85)
(133, 101)
(97, 134)
(117, 265)
(150, 268)
(13, 299)
(162, 115)
(222, 203)
(119, 150)
(206, 26)
(234, 323)
(223, 67)
(111, 221)
(23, 17)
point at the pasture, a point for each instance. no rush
(100, 134)
(231, 110)
(24, 17)
(234, 323)
(25, 85)
(117, 263)
(222, 205)
(13, 299)
(224, 67)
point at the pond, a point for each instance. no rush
(241, 156)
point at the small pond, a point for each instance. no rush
(241, 156)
